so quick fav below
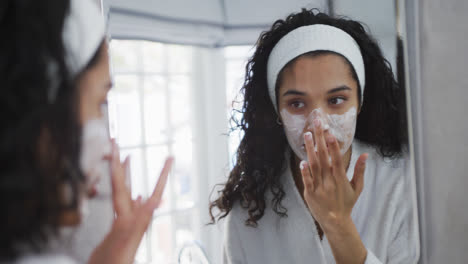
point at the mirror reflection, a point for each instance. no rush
(239, 135)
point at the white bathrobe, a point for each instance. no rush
(385, 216)
(52, 253)
(46, 258)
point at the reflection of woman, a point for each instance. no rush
(55, 77)
(321, 174)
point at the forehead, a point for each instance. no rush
(317, 74)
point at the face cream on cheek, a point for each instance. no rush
(294, 128)
(342, 127)
(95, 145)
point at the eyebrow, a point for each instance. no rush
(293, 92)
(339, 89)
(334, 90)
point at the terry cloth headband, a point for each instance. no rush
(83, 32)
(313, 38)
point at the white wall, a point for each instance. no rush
(437, 39)
(211, 146)
(378, 16)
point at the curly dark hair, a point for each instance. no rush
(40, 136)
(260, 156)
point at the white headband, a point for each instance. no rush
(83, 32)
(313, 38)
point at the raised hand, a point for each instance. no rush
(330, 196)
(132, 217)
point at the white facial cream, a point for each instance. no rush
(342, 127)
(95, 144)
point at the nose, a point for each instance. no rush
(317, 114)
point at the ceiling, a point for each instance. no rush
(218, 23)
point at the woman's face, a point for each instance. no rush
(93, 87)
(318, 87)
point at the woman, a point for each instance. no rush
(322, 174)
(55, 71)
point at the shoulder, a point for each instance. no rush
(384, 168)
(235, 223)
(389, 198)
(388, 177)
(233, 233)
(389, 186)
(236, 217)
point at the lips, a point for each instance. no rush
(92, 191)
(92, 186)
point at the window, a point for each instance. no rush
(236, 59)
(150, 112)
(166, 101)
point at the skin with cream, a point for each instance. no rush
(318, 96)
(342, 127)
(319, 87)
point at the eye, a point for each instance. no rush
(337, 100)
(297, 104)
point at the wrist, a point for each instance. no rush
(345, 241)
(339, 227)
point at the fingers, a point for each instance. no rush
(322, 153)
(335, 153)
(145, 211)
(155, 198)
(313, 163)
(137, 203)
(133, 217)
(307, 177)
(358, 178)
(120, 194)
(321, 145)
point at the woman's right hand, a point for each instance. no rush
(132, 217)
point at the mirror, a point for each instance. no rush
(178, 67)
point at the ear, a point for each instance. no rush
(279, 120)
(359, 107)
